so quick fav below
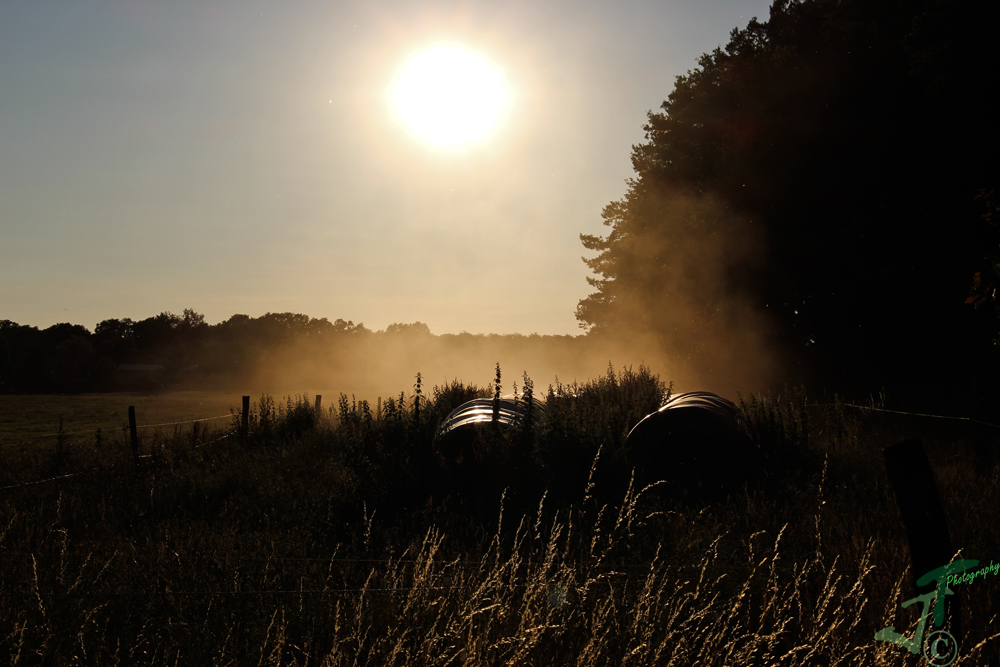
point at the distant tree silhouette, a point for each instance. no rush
(67, 358)
(417, 328)
(58, 359)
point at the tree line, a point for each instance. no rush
(273, 352)
(69, 358)
(818, 190)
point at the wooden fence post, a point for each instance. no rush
(245, 419)
(923, 517)
(919, 505)
(132, 430)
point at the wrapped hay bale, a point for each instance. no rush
(694, 444)
(482, 448)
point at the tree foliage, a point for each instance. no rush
(272, 352)
(68, 358)
(812, 182)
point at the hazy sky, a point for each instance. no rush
(242, 157)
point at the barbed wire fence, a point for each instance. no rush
(241, 415)
(134, 427)
(140, 426)
(869, 408)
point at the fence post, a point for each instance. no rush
(319, 402)
(245, 418)
(135, 436)
(923, 517)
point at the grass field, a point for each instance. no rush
(29, 417)
(308, 541)
(32, 419)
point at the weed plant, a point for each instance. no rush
(308, 542)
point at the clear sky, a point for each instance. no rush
(238, 156)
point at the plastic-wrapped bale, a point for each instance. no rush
(474, 463)
(477, 412)
(695, 445)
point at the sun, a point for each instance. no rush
(450, 97)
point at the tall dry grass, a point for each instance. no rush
(307, 543)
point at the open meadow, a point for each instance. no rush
(321, 538)
(30, 419)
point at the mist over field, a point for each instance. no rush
(284, 353)
(389, 364)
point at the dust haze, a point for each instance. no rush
(682, 297)
(680, 307)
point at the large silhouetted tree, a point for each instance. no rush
(814, 178)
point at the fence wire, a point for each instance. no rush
(866, 408)
(869, 408)
(101, 428)
(73, 474)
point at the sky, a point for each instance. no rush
(243, 156)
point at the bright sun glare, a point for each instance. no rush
(450, 97)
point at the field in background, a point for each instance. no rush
(34, 418)
(27, 418)
(313, 541)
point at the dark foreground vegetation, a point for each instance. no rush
(323, 539)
